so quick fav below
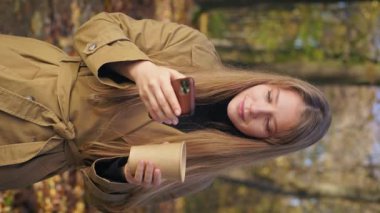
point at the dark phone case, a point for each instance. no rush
(185, 92)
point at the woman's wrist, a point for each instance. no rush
(131, 69)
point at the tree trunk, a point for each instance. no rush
(332, 71)
(322, 191)
(212, 4)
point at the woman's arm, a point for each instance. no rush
(113, 43)
(111, 195)
(115, 37)
(109, 191)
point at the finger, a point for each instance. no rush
(148, 175)
(154, 106)
(139, 172)
(162, 99)
(128, 175)
(145, 100)
(154, 116)
(157, 177)
(171, 98)
(151, 105)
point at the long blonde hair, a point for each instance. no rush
(210, 151)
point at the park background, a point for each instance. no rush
(334, 44)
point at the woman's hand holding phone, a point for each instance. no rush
(155, 89)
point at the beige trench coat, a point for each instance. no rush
(44, 110)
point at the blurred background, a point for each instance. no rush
(334, 44)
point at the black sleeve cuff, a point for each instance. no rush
(112, 169)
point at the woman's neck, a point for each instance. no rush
(208, 116)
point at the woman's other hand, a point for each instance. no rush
(146, 174)
(155, 89)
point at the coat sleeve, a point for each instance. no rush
(111, 196)
(103, 193)
(112, 37)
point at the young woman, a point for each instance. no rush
(59, 112)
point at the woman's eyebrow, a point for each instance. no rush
(276, 100)
(278, 94)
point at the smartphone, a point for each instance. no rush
(185, 92)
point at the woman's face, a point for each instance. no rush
(265, 110)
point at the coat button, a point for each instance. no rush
(30, 98)
(92, 47)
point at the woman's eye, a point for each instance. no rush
(267, 125)
(269, 96)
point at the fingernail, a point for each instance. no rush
(177, 112)
(175, 121)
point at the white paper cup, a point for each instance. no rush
(170, 158)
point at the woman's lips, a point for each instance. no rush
(241, 109)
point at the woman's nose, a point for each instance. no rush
(261, 110)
